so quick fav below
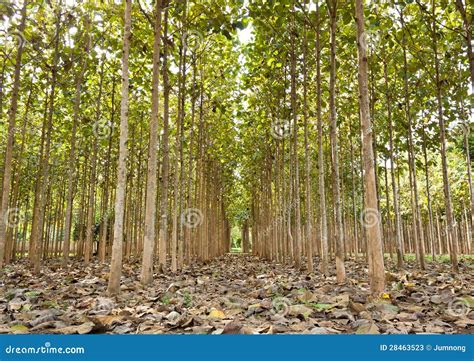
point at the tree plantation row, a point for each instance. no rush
(168, 132)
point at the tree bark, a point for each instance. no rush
(163, 234)
(396, 209)
(72, 151)
(7, 166)
(452, 239)
(116, 262)
(43, 172)
(338, 229)
(150, 202)
(374, 237)
(323, 224)
(309, 215)
(91, 212)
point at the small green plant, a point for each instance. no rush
(166, 299)
(321, 306)
(188, 301)
(32, 294)
(49, 304)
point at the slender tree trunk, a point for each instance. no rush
(43, 175)
(150, 203)
(338, 229)
(7, 166)
(428, 194)
(374, 237)
(12, 232)
(188, 231)
(444, 163)
(323, 224)
(396, 210)
(467, 131)
(296, 193)
(309, 215)
(91, 212)
(106, 214)
(116, 263)
(163, 234)
(417, 221)
(354, 208)
(181, 114)
(72, 151)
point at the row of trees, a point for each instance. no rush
(310, 182)
(88, 162)
(144, 131)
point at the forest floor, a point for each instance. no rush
(236, 294)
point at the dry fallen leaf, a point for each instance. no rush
(216, 314)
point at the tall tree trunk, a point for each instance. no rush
(374, 237)
(323, 224)
(296, 193)
(43, 173)
(106, 214)
(72, 151)
(163, 234)
(428, 194)
(12, 232)
(150, 203)
(309, 215)
(444, 163)
(417, 221)
(181, 115)
(338, 229)
(116, 262)
(91, 212)
(467, 131)
(396, 209)
(7, 166)
(354, 208)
